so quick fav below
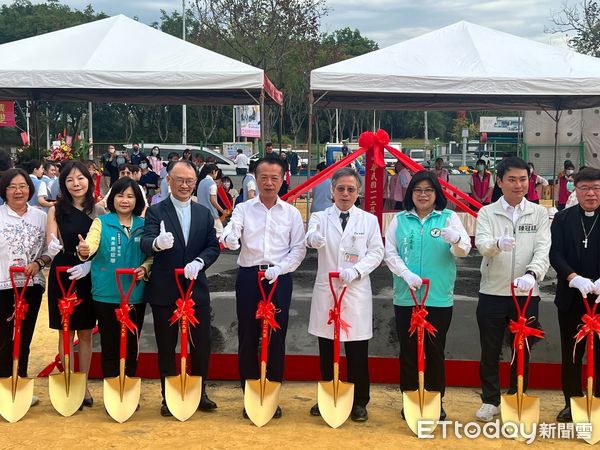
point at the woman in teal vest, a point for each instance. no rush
(421, 242)
(114, 243)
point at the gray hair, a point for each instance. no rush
(346, 172)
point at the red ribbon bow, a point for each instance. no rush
(522, 329)
(21, 308)
(417, 320)
(266, 310)
(185, 308)
(66, 306)
(376, 141)
(334, 316)
(123, 317)
(591, 325)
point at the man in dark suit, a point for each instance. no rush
(180, 233)
(575, 255)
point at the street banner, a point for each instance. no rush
(7, 114)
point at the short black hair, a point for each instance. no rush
(269, 144)
(226, 178)
(432, 179)
(206, 170)
(31, 165)
(568, 164)
(124, 166)
(120, 186)
(172, 155)
(49, 164)
(271, 160)
(586, 174)
(321, 166)
(134, 168)
(512, 162)
(8, 176)
(482, 161)
(252, 166)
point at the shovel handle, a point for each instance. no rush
(337, 310)
(426, 283)
(20, 303)
(59, 271)
(125, 295)
(520, 312)
(590, 355)
(264, 346)
(183, 324)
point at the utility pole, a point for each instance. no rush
(184, 107)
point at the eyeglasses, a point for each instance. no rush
(20, 187)
(350, 190)
(596, 189)
(182, 181)
(427, 192)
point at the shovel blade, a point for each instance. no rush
(335, 411)
(121, 405)
(579, 411)
(67, 404)
(183, 396)
(414, 411)
(529, 415)
(13, 409)
(261, 408)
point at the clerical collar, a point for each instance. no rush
(179, 203)
(587, 213)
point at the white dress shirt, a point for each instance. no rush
(513, 212)
(395, 261)
(268, 235)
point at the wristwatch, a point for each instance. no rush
(532, 273)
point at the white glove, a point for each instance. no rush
(316, 239)
(449, 234)
(54, 246)
(232, 241)
(164, 240)
(507, 242)
(524, 283)
(80, 270)
(348, 275)
(191, 269)
(585, 285)
(597, 289)
(272, 273)
(413, 280)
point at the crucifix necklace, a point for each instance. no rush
(585, 241)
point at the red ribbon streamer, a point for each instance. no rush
(21, 308)
(335, 315)
(184, 308)
(266, 310)
(66, 307)
(521, 329)
(123, 317)
(417, 320)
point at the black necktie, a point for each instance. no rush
(344, 219)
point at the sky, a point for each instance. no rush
(389, 21)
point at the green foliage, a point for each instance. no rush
(581, 22)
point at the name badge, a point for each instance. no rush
(351, 256)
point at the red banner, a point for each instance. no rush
(7, 114)
(374, 181)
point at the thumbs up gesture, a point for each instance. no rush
(449, 234)
(83, 249)
(54, 246)
(507, 242)
(316, 239)
(165, 239)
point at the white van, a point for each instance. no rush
(226, 165)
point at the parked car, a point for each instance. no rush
(224, 163)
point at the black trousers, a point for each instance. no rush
(435, 370)
(493, 315)
(110, 338)
(568, 322)
(33, 295)
(167, 337)
(357, 360)
(249, 328)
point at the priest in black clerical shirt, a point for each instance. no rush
(575, 255)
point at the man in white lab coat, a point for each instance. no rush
(349, 242)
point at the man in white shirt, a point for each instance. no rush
(206, 194)
(272, 240)
(241, 162)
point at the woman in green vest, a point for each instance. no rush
(114, 243)
(422, 242)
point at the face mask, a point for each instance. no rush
(120, 160)
(480, 167)
(226, 185)
(143, 165)
(569, 171)
(570, 186)
(155, 152)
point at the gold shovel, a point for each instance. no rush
(67, 389)
(122, 393)
(421, 405)
(16, 392)
(335, 398)
(586, 409)
(261, 397)
(183, 391)
(520, 408)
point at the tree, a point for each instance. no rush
(583, 20)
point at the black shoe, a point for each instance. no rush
(359, 413)
(314, 411)
(164, 410)
(244, 414)
(277, 414)
(564, 416)
(442, 414)
(88, 401)
(206, 404)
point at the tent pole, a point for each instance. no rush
(263, 136)
(556, 119)
(90, 131)
(280, 127)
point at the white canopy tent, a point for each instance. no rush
(121, 60)
(461, 66)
